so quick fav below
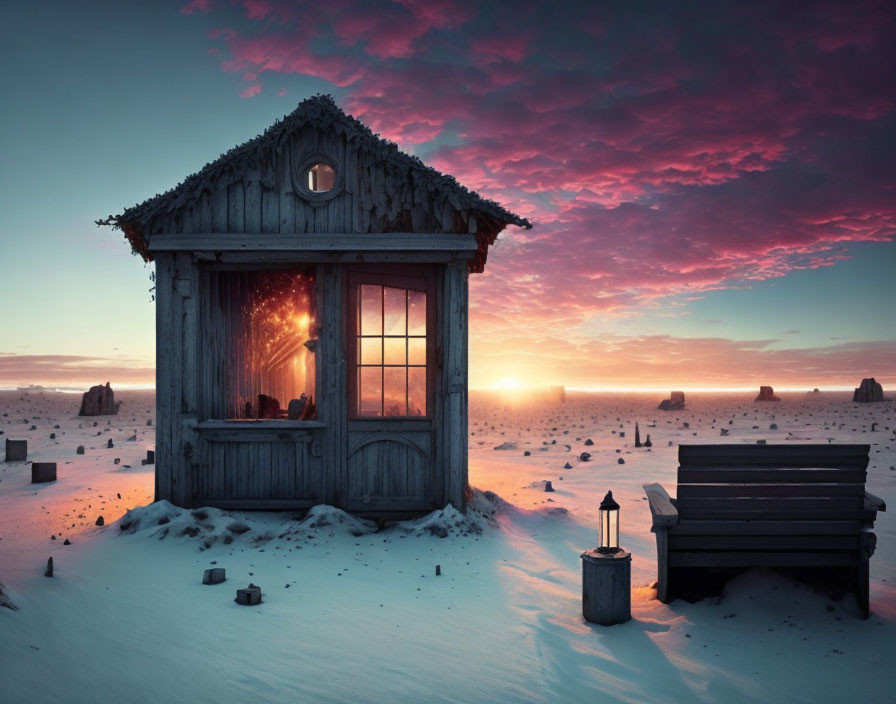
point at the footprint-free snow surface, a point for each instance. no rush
(351, 613)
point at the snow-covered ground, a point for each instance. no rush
(355, 615)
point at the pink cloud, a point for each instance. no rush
(250, 91)
(56, 369)
(197, 6)
(636, 361)
(658, 157)
(257, 9)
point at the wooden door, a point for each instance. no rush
(390, 360)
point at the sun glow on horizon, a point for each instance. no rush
(507, 384)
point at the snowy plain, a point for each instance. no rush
(351, 614)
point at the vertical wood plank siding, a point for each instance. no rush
(454, 382)
(401, 470)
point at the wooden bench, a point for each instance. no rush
(766, 505)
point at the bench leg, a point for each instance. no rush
(662, 563)
(867, 544)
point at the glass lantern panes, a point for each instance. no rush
(608, 525)
(391, 351)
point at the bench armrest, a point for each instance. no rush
(874, 503)
(661, 508)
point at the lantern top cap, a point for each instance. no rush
(608, 504)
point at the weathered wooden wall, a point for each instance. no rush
(420, 467)
(369, 197)
(177, 402)
(452, 423)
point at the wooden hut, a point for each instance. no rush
(311, 322)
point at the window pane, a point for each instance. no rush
(394, 305)
(321, 178)
(416, 312)
(417, 350)
(371, 350)
(395, 391)
(395, 350)
(371, 314)
(416, 391)
(268, 317)
(370, 391)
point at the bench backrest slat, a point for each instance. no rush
(689, 474)
(826, 490)
(820, 456)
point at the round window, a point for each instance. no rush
(321, 177)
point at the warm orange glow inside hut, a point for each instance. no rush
(272, 344)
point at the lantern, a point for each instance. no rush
(608, 525)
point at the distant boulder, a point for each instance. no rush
(99, 401)
(766, 393)
(868, 392)
(675, 403)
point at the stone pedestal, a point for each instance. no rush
(606, 587)
(43, 472)
(16, 450)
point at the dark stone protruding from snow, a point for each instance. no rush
(49, 572)
(43, 472)
(238, 528)
(109, 444)
(5, 601)
(99, 401)
(567, 466)
(647, 442)
(724, 431)
(548, 486)
(100, 521)
(250, 596)
(526, 453)
(870, 391)
(150, 457)
(637, 436)
(589, 442)
(16, 450)
(215, 575)
(674, 403)
(766, 393)
(438, 570)
(584, 456)
(80, 450)
(620, 461)
(66, 542)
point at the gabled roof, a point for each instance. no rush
(472, 213)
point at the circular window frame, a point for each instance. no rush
(300, 179)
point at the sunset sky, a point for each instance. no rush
(713, 185)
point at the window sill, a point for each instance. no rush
(236, 431)
(260, 425)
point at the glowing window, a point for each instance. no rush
(390, 334)
(321, 177)
(269, 332)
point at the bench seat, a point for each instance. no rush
(766, 506)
